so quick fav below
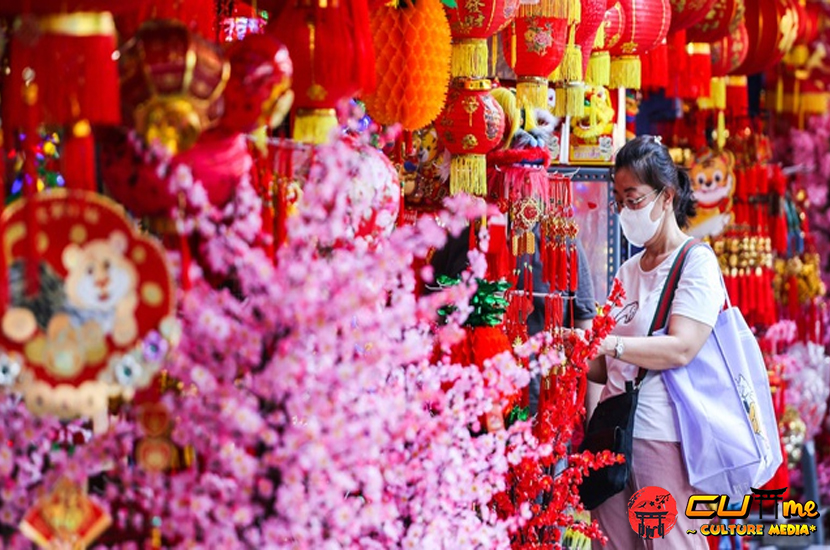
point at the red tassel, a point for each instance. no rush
(78, 158)
(574, 269)
(4, 282)
(699, 75)
(656, 67)
(792, 297)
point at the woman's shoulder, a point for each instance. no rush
(630, 266)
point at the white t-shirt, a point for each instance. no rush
(699, 296)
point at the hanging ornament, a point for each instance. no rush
(101, 320)
(258, 93)
(713, 183)
(772, 28)
(590, 30)
(471, 125)
(331, 44)
(412, 47)
(646, 25)
(534, 47)
(608, 36)
(686, 13)
(172, 82)
(722, 19)
(472, 22)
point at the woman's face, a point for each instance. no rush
(630, 193)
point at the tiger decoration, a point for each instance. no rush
(713, 183)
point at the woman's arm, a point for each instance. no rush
(676, 349)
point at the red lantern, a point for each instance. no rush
(730, 52)
(471, 24)
(332, 44)
(471, 126)
(722, 19)
(258, 91)
(599, 66)
(172, 82)
(534, 46)
(772, 27)
(588, 32)
(686, 13)
(646, 25)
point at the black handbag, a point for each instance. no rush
(612, 425)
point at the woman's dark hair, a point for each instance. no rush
(650, 163)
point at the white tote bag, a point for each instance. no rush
(728, 430)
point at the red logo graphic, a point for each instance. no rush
(652, 512)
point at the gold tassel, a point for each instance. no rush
(494, 54)
(532, 91)
(599, 69)
(574, 11)
(720, 134)
(599, 39)
(718, 92)
(779, 95)
(560, 108)
(814, 103)
(626, 72)
(575, 100)
(513, 44)
(469, 58)
(314, 125)
(545, 8)
(571, 67)
(468, 174)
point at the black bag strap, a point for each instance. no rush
(661, 316)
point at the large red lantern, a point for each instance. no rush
(471, 126)
(472, 22)
(331, 45)
(722, 19)
(686, 13)
(171, 83)
(730, 52)
(534, 47)
(647, 23)
(772, 27)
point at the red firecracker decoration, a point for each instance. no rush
(646, 25)
(591, 32)
(471, 125)
(332, 45)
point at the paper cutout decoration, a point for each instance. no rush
(65, 518)
(713, 183)
(99, 321)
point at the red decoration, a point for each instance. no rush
(646, 25)
(534, 46)
(686, 13)
(730, 52)
(172, 82)
(104, 288)
(722, 19)
(471, 126)
(593, 14)
(772, 28)
(258, 91)
(332, 44)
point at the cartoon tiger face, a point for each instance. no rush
(712, 179)
(99, 276)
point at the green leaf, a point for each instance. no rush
(450, 3)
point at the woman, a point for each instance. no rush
(654, 201)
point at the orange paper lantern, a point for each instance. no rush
(471, 126)
(412, 48)
(647, 23)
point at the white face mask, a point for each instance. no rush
(638, 226)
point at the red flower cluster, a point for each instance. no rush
(548, 485)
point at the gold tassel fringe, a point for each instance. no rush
(314, 125)
(575, 100)
(779, 96)
(546, 8)
(717, 88)
(560, 108)
(574, 11)
(468, 174)
(571, 67)
(599, 69)
(469, 58)
(626, 72)
(814, 103)
(533, 92)
(599, 39)
(720, 133)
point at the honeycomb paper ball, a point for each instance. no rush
(412, 48)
